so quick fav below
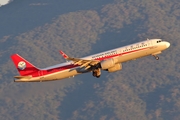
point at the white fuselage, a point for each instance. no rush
(121, 54)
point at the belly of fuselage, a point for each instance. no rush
(59, 75)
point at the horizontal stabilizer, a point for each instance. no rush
(23, 77)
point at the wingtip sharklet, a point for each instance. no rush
(63, 54)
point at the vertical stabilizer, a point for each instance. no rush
(24, 67)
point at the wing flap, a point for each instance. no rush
(78, 62)
(85, 64)
(87, 67)
(81, 62)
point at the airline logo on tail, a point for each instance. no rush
(22, 65)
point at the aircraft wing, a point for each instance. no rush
(81, 62)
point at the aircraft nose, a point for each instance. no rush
(167, 44)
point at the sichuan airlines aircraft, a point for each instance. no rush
(110, 61)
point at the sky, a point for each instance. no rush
(4, 2)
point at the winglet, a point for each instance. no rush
(63, 54)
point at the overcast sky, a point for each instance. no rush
(3, 2)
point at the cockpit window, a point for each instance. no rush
(159, 41)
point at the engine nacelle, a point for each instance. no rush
(116, 67)
(106, 64)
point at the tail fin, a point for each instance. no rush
(24, 67)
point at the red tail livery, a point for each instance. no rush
(24, 67)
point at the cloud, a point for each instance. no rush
(5, 2)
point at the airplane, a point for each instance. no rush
(110, 61)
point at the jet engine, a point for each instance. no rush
(111, 65)
(106, 64)
(116, 67)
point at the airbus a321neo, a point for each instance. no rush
(110, 61)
